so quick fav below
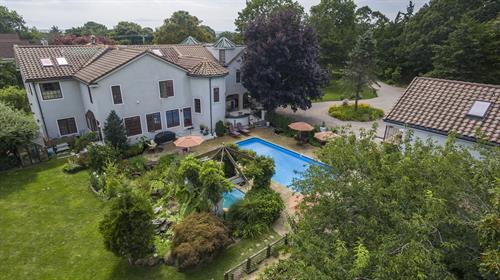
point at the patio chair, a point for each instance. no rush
(242, 129)
(233, 131)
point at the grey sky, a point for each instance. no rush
(218, 14)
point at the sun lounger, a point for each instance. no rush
(242, 129)
(233, 132)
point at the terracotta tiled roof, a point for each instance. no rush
(28, 58)
(442, 106)
(89, 63)
(208, 68)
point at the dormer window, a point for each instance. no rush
(222, 56)
(46, 62)
(157, 52)
(62, 61)
(479, 109)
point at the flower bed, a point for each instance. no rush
(364, 113)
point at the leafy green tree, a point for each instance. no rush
(393, 212)
(16, 128)
(128, 33)
(261, 170)
(9, 76)
(10, 21)
(461, 57)
(361, 66)
(281, 61)
(115, 132)
(127, 228)
(256, 8)
(335, 22)
(89, 28)
(15, 97)
(200, 185)
(181, 25)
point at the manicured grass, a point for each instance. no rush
(49, 230)
(339, 90)
(364, 113)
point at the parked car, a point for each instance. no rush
(164, 136)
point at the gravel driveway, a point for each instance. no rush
(318, 113)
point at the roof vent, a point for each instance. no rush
(157, 52)
(46, 62)
(62, 61)
(479, 109)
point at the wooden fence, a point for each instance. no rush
(251, 264)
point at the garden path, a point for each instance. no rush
(318, 113)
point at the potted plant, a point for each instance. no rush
(202, 128)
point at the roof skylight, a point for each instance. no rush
(46, 62)
(479, 109)
(157, 52)
(62, 61)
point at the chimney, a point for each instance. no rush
(93, 40)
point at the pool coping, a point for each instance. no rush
(279, 146)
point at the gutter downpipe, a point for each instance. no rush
(210, 100)
(41, 112)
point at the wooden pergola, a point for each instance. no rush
(240, 181)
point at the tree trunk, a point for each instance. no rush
(356, 100)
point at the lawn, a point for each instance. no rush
(339, 89)
(49, 230)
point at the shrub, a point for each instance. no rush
(81, 142)
(364, 113)
(134, 150)
(127, 228)
(261, 170)
(136, 165)
(280, 122)
(100, 155)
(15, 97)
(72, 166)
(8, 161)
(114, 131)
(198, 239)
(220, 129)
(255, 214)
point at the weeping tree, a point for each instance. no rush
(361, 66)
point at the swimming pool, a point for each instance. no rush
(232, 196)
(288, 164)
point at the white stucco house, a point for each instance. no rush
(434, 108)
(72, 89)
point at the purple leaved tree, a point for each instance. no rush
(281, 61)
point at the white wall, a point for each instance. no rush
(437, 138)
(70, 105)
(200, 88)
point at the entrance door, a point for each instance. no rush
(188, 120)
(92, 123)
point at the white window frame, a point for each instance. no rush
(49, 82)
(213, 91)
(59, 129)
(161, 123)
(201, 106)
(192, 123)
(121, 93)
(159, 88)
(62, 61)
(166, 121)
(140, 121)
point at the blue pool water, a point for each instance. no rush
(232, 196)
(288, 164)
